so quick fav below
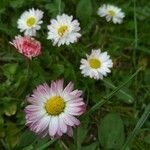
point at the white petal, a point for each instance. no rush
(62, 125)
(53, 126)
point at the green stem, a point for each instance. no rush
(64, 145)
(106, 99)
(137, 127)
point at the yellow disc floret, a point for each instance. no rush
(62, 30)
(94, 63)
(55, 105)
(111, 13)
(31, 21)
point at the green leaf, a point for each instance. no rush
(2, 132)
(147, 139)
(38, 73)
(40, 142)
(143, 13)
(147, 77)
(84, 11)
(30, 147)
(81, 134)
(10, 109)
(3, 5)
(44, 146)
(12, 134)
(70, 73)
(1, 120)
(53, 8)
(5, 29)
(26, 139)
(9, 69)
(17, 4)
(92, 146)
(58, 69)
(111, 131)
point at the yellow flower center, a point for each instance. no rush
(31, 21)
(62, 30)
(94, 63)
(111, 13)
(55, 105)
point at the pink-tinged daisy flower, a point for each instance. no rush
(52, 110)
(27, 46)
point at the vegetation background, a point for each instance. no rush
(122, 122)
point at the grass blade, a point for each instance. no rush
(46, 145)
(111, 85)
(137, 127)
(135, 34)
(99, 104)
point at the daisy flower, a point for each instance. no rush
(27, 46)
(63, 30)
(111, 12)
(30, 21)
(96, 65)
(52, 110)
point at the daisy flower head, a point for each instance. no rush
(96, 65)
(63, 30)
(111, 13)
(30, 21)
(27, 46)
(53, 108)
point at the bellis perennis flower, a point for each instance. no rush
(30, 21)
(63, 30)
(27, 46)
(52, 109)
(96, 65)
(111, 13)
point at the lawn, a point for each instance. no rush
(117, 104)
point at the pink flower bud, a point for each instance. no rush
(27, 46)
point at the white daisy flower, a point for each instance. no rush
(111, 12)
(96, 65)
(63, 30)
(30, 21)
(53, 108)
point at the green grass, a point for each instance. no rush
(124, 92)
